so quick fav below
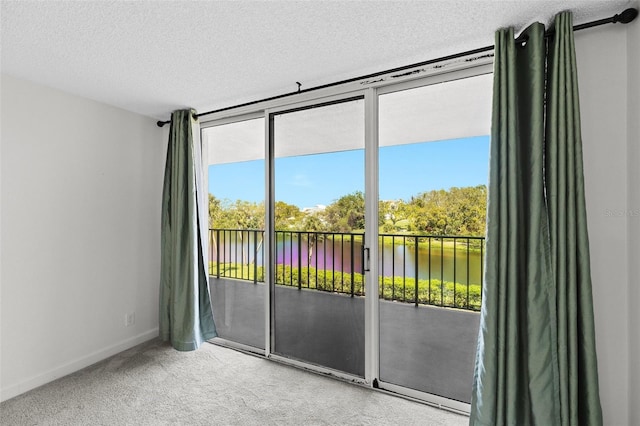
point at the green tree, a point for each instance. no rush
(287, 216)
(313, 222)
(240, 215)
(393, 216)
(427, 212)
(457, 211)
(467, 210)
(346, 214)
(215, 210)
(243, 215)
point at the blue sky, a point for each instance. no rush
(405, 170)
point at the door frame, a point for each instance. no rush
(270, 113)
(370, 92)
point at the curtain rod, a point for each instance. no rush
(625, 17)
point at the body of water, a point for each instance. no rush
(448, 261)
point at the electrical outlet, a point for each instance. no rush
(129, 319)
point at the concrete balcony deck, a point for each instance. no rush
(426, 348)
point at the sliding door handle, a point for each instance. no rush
(366, 261)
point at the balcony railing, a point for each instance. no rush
(435, 270)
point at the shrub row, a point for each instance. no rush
(401, 289)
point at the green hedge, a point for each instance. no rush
(434, 292)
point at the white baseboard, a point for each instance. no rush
(75, 365)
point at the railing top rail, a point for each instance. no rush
(236, 230)
(320, 232)
(464, 237)
(461, 237)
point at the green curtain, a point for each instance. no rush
(186, 318)
(537, 306)
(578, 369)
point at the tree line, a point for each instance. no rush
(456, 211)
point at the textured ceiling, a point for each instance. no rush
(152, 57)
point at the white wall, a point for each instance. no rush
(633, 54)
(602, 56)
(81, 195)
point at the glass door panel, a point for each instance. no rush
(318, 191)
(236, 170)
(433, 168)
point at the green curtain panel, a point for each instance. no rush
(186, 318)
(535, 301)
(578, 381)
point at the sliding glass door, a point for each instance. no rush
(236, 169)
(382, 189)
(433, 168)
(318, 222)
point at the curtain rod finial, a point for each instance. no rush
(626, 16)
(161, 123)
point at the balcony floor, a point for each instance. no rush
(426, 348)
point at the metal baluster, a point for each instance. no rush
(455, 258)
(299, 260)
(441, 271)
(381, 285)
(415, 260)
(393, 267)
(429, 280)
(353, 236)
(468, 272)
(404, 268)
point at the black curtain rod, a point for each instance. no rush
(625, 17)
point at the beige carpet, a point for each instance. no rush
(152, 384)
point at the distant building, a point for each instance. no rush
(317, 209)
